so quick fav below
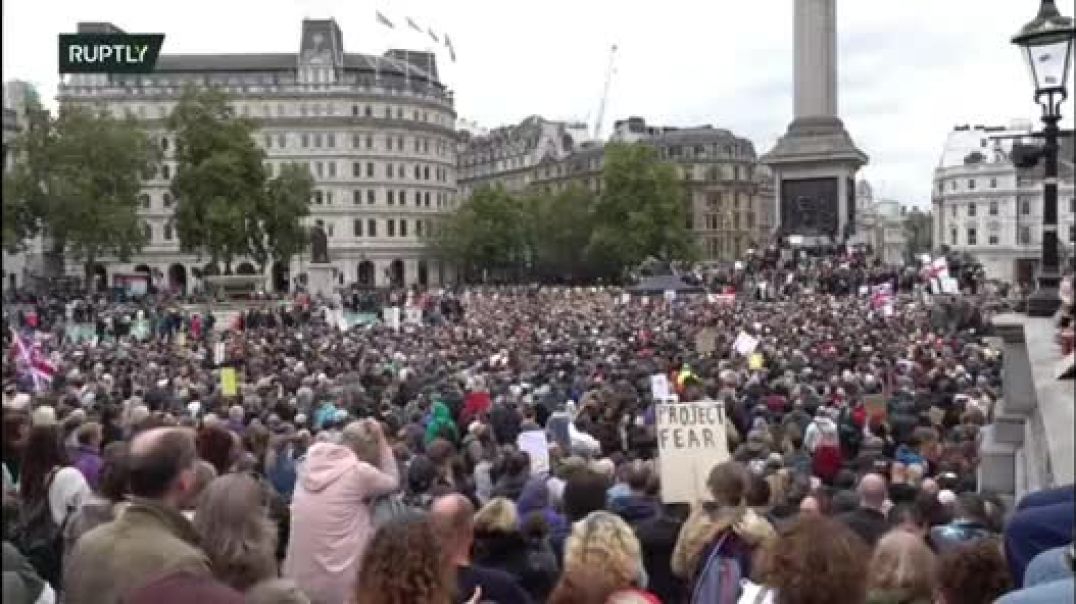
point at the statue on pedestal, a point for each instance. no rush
(319, 245)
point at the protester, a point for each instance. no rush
(235, 531)
(110, 498)
(816, 560)
(501, 543)
(869, 519)
(331, 525)
(902, 571)
(403, 564)
(453, 521)
(151, 538)
(602, 541)
(973, 572)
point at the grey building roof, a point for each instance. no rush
(195, 63)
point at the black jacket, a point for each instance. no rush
(657, 536)
(867, 523)
(530, 561)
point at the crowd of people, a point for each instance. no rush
(383, 465)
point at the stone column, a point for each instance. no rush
(816, 58)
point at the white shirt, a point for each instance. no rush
(67, 492)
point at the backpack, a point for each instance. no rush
(718, 582)
(39, 538)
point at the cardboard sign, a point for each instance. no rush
(414, 315)
(625, 299)
(950, 285)
(391, 316)
(218, 353)
(745, 343)
(659, 387)
(670, 295)
(535, 443)
(691, 441)
(228, 385)
(755, 362)
(706, 341)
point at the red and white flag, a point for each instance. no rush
(30, 359)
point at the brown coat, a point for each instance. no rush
(146, 541)
(703, 525)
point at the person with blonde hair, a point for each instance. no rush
(503, 542)
(235, 531)
(902, 570)
(605, 543)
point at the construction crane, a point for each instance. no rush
(605, 95)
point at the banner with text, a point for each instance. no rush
(691, 441)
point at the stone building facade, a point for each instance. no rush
(376, 132)
(986, 206)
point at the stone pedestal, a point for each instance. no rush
(320, 279)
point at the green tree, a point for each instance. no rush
(640, 212)
(220, 181)
(78, 178)
(280, 234)
(918, 232)
(485, 237)
(558, 230)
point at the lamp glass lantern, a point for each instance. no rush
(1046, 43)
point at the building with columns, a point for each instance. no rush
(880, 224)
(986, 206)
(376, 132)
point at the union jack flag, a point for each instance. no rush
(31, 360)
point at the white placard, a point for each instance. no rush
(414, 315)
(691, 441)
(535, 443)
(625, 299)
(670, 295)
(949, 285)
(391, 316)
(218, 353)
(745, 343)
(659, 387)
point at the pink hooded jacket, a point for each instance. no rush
(330, 519)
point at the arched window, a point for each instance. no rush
(147, 231)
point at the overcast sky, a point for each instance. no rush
(909, 70)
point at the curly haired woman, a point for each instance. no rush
(403, 565)
(602, 564)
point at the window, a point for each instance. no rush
(993, 183)
(168, 232)
(993, 239)
(318, 197)
(1072, 233)
(1025, 235)
(368, 111)
(164, 144)
(971, 209)
(167, 199)
(971, 184)
(418, 173)
(145, 200)
(356, 169)
(330, 230)
(329, 197)
(319, 168)
(1025, 207)
(426, 199)
(418, 228)
(418, 145)
(371, 228)
(268, 141)
(390, 228)
(952, 237)
(388, 113)
(281, 140)
(403, 228)
(388, 143)
(1072, 205)
(391, 199)
(371, 196)
(402, 197)
(952, 210)
(425, 173)
(317, 140)
(389, 170)
(953, 183)
(369, 141)
(355, 141)
(356, 197)
(332, 169)
(147, 231)
(166, 171)
(399, 113)
(399, 143)
(355, 110)
(330, 140)
(993, 208)
(304, 140)
(356, 227)
(369, 169)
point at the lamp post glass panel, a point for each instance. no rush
(1046, 45)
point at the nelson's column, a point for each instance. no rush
(815, 162)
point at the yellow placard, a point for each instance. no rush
(228, 385)
(755, 361)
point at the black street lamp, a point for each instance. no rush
(1046, 43)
